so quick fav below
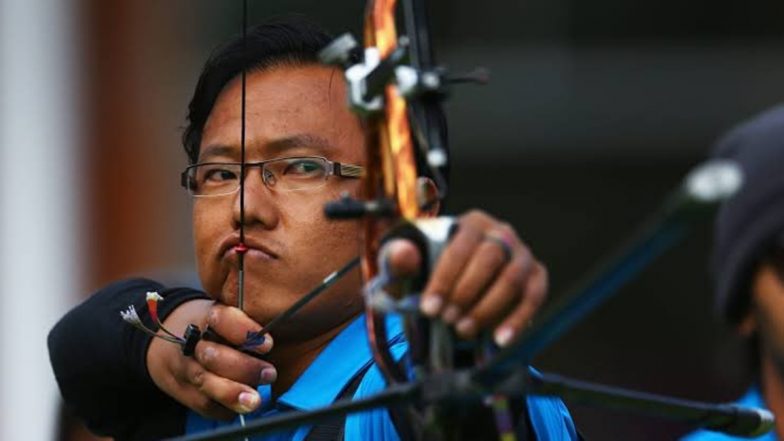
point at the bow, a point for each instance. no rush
(392, 70)
(393, 189)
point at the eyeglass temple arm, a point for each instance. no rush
(347, 170)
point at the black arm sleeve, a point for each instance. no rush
(99, 363)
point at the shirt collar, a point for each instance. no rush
(753, 398)
(336, 365)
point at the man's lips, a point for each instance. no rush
(231, 247)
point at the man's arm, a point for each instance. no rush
(99, 363)
(126, 384)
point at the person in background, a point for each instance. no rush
(748, 260)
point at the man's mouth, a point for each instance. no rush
(250, 253)
(251, 248)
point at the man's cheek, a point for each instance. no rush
(208, 266)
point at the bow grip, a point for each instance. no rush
(430, 236)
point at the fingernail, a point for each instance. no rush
(466, 327)
(268, 375)
(431, 304)
(451, 314)
(503, 336)
(249, 401)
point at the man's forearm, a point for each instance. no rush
(99, 362)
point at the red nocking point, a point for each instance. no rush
(240, 248)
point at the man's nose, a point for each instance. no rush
(260, 205)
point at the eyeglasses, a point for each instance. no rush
(281, 174)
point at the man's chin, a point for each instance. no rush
(228, 294)
(260, 309)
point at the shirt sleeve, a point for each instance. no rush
(550, 419)
(99, 363)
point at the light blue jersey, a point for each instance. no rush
(334, 368)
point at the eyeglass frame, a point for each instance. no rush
(334, 168)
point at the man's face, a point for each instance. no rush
(290, 111)
(766, 316)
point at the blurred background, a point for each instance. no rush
(595, 110)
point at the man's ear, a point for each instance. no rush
(427, 193)
(748, 324)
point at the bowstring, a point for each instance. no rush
(241, 255)
(321, 287)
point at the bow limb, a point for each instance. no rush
(391, 170)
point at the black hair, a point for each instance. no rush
(286, 41)
(289, 41)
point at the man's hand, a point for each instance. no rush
(218, 381)
(486, 278)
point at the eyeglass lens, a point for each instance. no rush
(212, 179)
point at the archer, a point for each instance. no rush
(131, 386)
(748, 260)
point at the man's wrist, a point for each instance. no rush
(173, 300)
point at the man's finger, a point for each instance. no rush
(203, 405)
(456, 254)
(453, 259)
(181, 387)
(232, 364)
(233, 325)
(499, 298)
(233, 395)
(485, 264)
(402, 257)
(520, 318)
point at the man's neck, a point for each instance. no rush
(772, 384)
(292, 359)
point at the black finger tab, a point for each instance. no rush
(192, 337)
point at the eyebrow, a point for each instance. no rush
(273, 148)
(216, 150)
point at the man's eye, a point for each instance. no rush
(218, 174)
(304, 168)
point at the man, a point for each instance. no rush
(298, 127)
(748, 259)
